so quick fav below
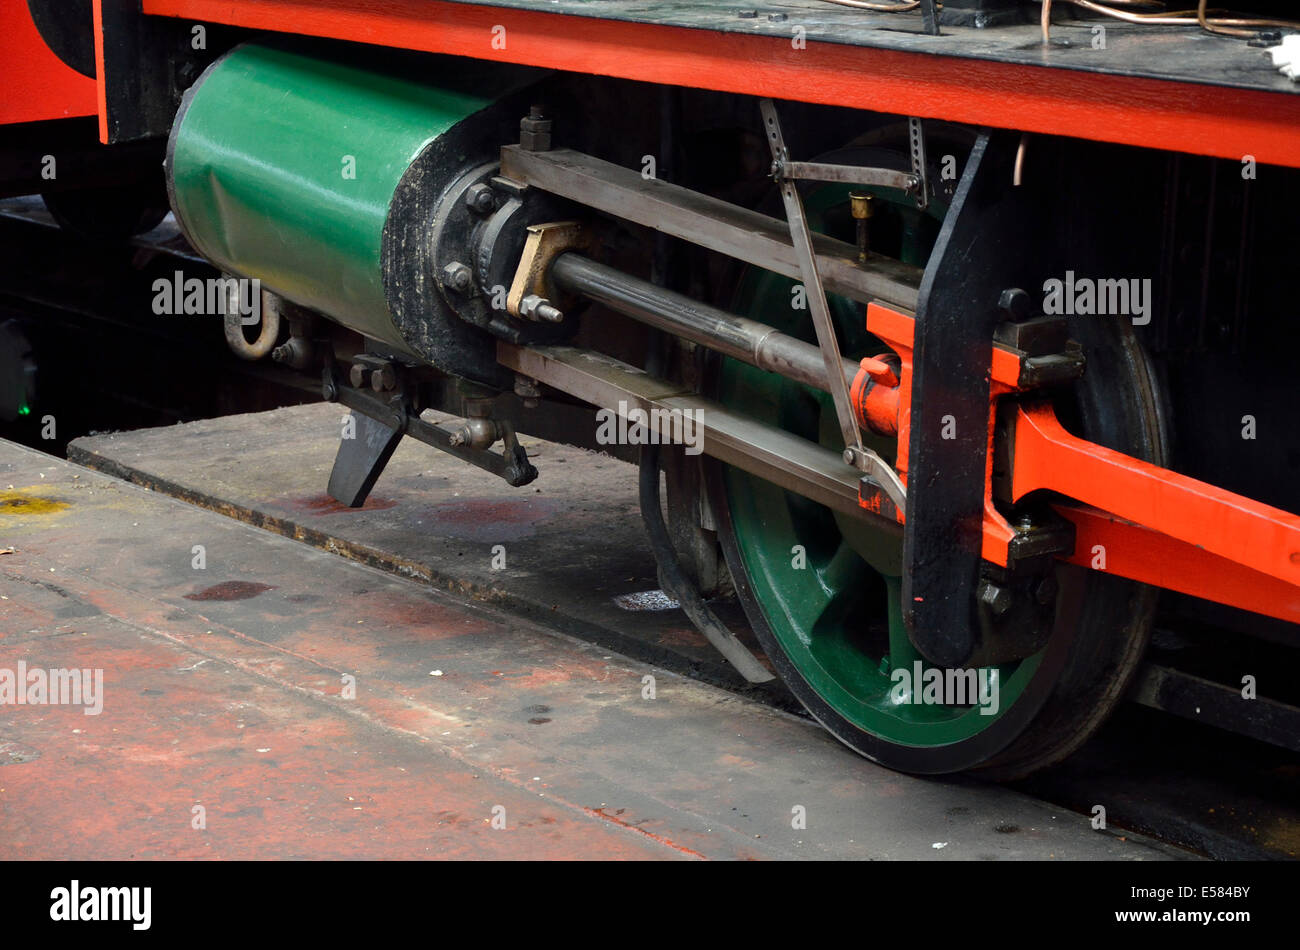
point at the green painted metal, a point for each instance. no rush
(283, 167)
(837, 612)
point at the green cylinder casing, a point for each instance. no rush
(286, 165)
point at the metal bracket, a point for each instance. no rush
(848, 174)
(362, 459)
(544, 243)
(916, 137)
(930, 16)
(381, 423)
(991, 239)
(855, 453)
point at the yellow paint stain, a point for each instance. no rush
(1282, 834)
(26, 502)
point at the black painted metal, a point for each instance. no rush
(985, 13)
(990, 241)
(82, 161)
(399, 413)
(148, 63)
(1202, 700)
(68, 29)
(1171, 53)
(930, 16)
(361, 460)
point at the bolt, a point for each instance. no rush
(997, 599)
(527, 389)
(1016, 303)
(850, 456)
(384, 378)
(1045, 593)
(457, 276)
(777, 17)
(535, 131)
(481, 198)
(534, 307)
(747, 14)
(280, 353)
(359, 375)
(329, 391)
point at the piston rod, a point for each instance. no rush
(748, 340)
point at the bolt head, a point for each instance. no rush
(997, 599)
(529, 306)
(850, 456)
(481, 198)
(526, 387)
(1016, 303)
(457, 276)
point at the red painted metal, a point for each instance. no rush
(101, 95)
(1133, 519)
(874, 395)
(1105, 542)
(36, 84)
(1201, 119)
(1246, 532)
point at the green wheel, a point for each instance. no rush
(822, 589)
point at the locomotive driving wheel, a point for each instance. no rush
(822, 589)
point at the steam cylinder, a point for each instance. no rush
(319, 171)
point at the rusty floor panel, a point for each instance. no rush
(574, 542)
(225, 688)
(573, 539)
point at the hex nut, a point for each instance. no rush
(997, 599)
(481, 198)
(457, 276)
